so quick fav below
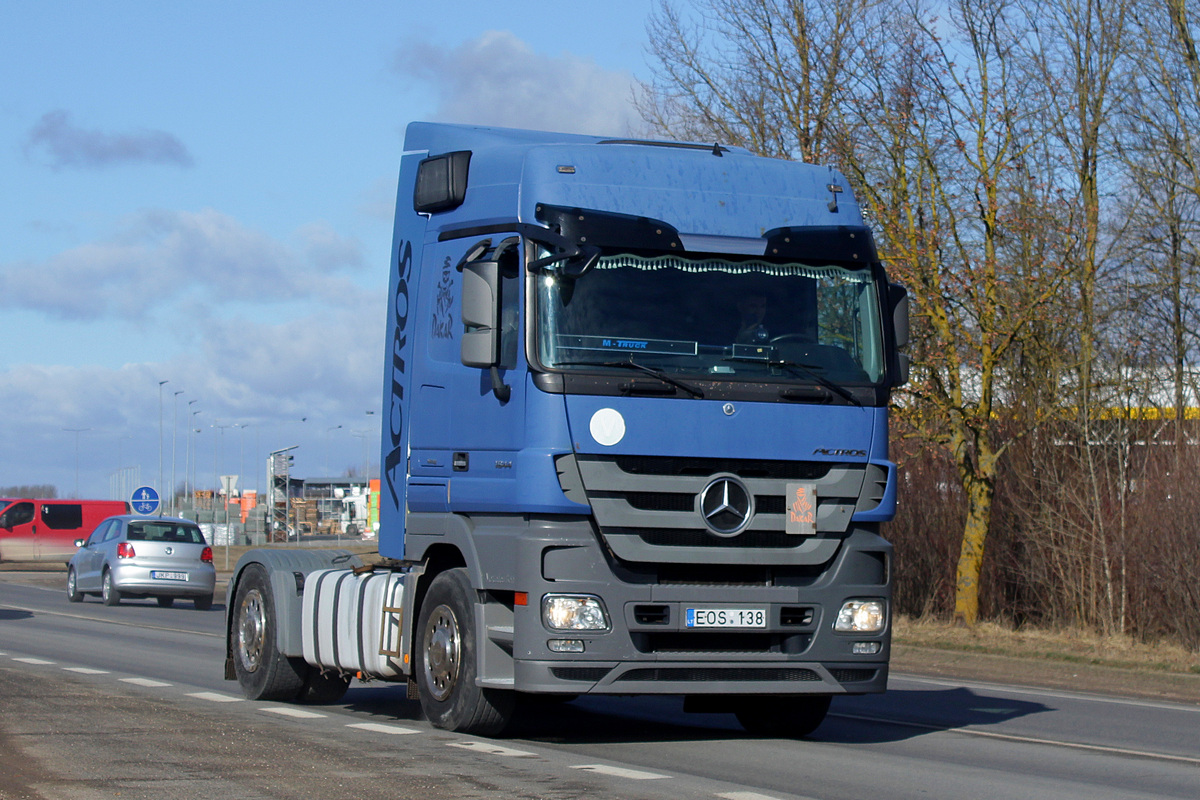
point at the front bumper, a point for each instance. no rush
(726, 677)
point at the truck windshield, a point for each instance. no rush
(718, 318)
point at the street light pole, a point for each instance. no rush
(76, 431)
(187, 444)
(174, 433)
(327, 432)
(189, 462)
(160, 436)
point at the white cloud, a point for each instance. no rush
(160, 256)
(257, 331)
(326, 367)
(498, 80)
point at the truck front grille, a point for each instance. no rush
(647, 510)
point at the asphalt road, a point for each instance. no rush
(129, 701)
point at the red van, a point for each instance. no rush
(46, 530)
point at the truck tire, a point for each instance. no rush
(262, 671)
(445, 661)
(785, 717)
(108, 592)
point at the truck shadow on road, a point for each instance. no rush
(10, 614)
(902, 714)
(896, 716)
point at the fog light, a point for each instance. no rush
(574, 612)
(861, 616)
(865, 648)
(565, 645)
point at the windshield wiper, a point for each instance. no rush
(805, 371)
(657, 373)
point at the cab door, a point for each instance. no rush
(18, 531)
(468, 424)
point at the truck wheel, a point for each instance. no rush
(790, 717)
(108, 592)
(263, 672)
(73, 593)
(445, 661)
(323, 688)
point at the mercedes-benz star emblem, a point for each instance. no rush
(726, 505)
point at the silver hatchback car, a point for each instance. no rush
(136, 557)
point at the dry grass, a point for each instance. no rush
(1069, 646)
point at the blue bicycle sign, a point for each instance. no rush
(144, 500)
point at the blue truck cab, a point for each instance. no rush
(635, 432)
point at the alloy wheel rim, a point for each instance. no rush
(251, 630)
(443, 652)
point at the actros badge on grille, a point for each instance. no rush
(726, 505)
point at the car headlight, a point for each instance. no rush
(861, 616)
(574, 612)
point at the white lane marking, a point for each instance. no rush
(39, 662)
(619, 772)
(1009, 737)
(150, 684)
(86, 670)
(491, 749)
(377, 727)
(752, 796)
(297, 713)
(215, 697)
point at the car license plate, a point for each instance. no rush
(159, 575)
(726, 618)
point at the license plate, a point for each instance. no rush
(159, 575)
(726, 618)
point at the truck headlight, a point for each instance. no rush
(574, 612)
(861, 616)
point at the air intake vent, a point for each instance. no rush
(589, 674)
(652, 615)
(742, 467)
(704, 674)
(793, 615)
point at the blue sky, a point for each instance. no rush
(201, 193)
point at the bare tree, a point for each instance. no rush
(769, 75)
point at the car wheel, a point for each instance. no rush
(322, 688)
(203, 603)
(788, 717)
(108, 592)
(445, 653)
(73, 593)
(165, 602)
(263, 672)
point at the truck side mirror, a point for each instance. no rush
(481, 314)
(898, 299)
(481, 320)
